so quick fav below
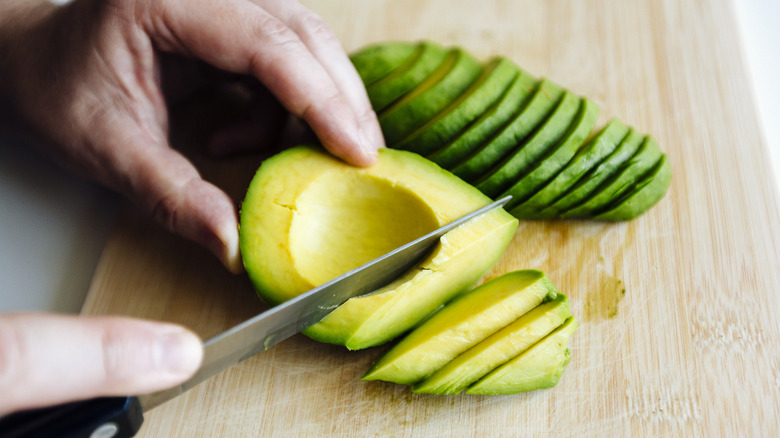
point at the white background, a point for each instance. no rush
(53, 225)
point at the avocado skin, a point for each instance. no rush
(542, 104)
(548, 166)
(643, 196)
(497, 76)
(484, 128)
(375, 62)
(589, 155)
(496, 134)
(431, 97)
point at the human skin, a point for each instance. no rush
(86, 84)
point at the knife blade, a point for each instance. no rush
(122, 416)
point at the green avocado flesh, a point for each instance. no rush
(504, 131)
(308, 217)
(460, 325)
(541, 366)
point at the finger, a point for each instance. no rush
(324, 45)
(163, 182)
(51, 359)
(262, 45)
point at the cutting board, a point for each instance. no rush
(678, 334)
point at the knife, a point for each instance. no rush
(118, 417)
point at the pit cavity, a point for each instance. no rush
(343, 220)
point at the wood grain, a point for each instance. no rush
(678, 334)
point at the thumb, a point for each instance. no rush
(49, 359)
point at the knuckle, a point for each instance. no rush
(165, 211)
(113, 357)
(316, 28)
(276, 32)
(11, 354)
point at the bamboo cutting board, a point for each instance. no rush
(678, 335)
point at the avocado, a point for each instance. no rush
(646, 193)
(556, 158)
(460, 325)
(490, 122)
(589, 155)
(377, 61)
(511, 136)
(541, 366)
(527, 153)
(598, 175)
(308, 217)
(496, 78)
(402, 80)
(497, 349)
(431, 97)
(623, 181)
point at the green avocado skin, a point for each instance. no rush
(497, 76)
(431, 97)
(508, 133)
(588, 156)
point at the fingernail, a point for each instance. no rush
(369, 143)
(178, 352)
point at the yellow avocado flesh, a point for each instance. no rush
(309, 217)
(498, 349)
(538, 367)
(460, 325)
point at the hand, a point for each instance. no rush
(46, 359)
(87, 81)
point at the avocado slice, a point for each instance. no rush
(529, 116)
(309, 217)
(460, 325)
(541, 366)
(379, 60)
(429, 98)
(549, 165)
(527, 153)
(491, 121)
(497, 349)
(496, 78)
(624, 181)
(596, 176)
(589, 155)
(395, 85)
(647, 192)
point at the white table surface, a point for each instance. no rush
(53, 225)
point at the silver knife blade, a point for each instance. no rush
(279, 323)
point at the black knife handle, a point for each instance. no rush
(107, 417)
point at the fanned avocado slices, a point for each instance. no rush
(546, 135)
(497, 76)
(505, 132)
(489, 123)
(430, 97)
(598, 175)
(556, 158)
(590, 155)
(538, 108)
(375, 62)
(404, 79)
(643, 161)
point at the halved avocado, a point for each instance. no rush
(529, 116)
(556, 158)
(596, 176)
(646, 193)
(433, 95)
(460, 325)
(309, 217)
(497, 349)
(589, 156)
(496, 78)
(490, 122)
(545, 136)
(377, 61)
(624, 181)
(395, 85)
(541, 366)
